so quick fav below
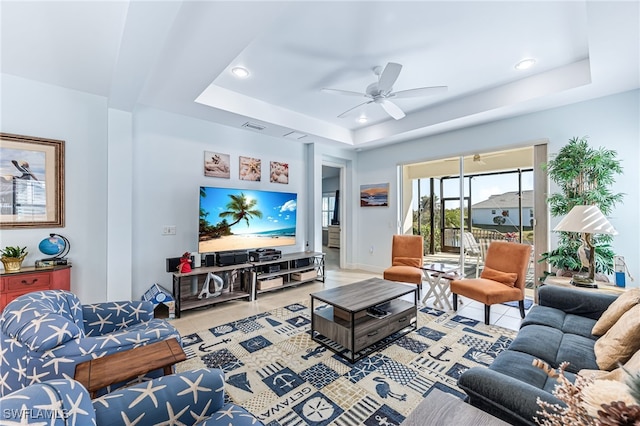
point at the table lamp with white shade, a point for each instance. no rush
(587, 220)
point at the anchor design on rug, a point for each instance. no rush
(204, 348)
(285, 383)
(444, 350)
(317, 352)
(382, 421)
(384, 390)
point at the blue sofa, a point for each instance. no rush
(557, 329)
(191, 398)
(45, 334)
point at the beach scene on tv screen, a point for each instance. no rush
(241, 219)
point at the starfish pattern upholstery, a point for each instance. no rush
(194, 397)
(44, 334)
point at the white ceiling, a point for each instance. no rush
(167, 54)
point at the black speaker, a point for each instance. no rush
(301, 263)
(209, 260)
(226, 258)
(241, 257)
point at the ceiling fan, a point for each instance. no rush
(381, 92)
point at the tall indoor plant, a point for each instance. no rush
(584, 176)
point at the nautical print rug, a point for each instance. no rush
(275, 371)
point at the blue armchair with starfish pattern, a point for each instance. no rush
(194, 397)
(45, 334)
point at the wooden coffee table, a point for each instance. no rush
(104, 371)
(345, 327)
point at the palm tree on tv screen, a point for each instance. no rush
(239, 208)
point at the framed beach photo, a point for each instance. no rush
(250, 169)
(31, 182)
(217, 165)
(374, 195)
(279, 172)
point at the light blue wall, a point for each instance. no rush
(80, 119)
(611, 121)
(123, 186)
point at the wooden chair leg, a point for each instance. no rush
(521, 305)
(455, 302)
(487, 313)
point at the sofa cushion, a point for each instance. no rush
(554, 347)
(519, 366)
(622, 304)
(506, 278)
(619, 374)
(555, 318)
(577, 351)
(620, 342)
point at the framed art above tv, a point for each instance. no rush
(241, 219)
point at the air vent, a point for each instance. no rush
(295, 136)
(253, 126)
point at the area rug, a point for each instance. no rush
(274, 370)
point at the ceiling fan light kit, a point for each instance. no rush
(381, 91)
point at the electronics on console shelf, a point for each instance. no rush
(269, 269)
(231, 258)
(262, 255)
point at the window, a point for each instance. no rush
(328, 203)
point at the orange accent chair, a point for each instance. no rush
(502, 280)
(406, 259)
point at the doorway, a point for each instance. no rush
(331, 214)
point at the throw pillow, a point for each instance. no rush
(620, 342)
(604, 392)
(407, 261)
(619, 374)
(506, 278)
(622, 304)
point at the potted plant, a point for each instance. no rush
(584, 176)
(12, 257)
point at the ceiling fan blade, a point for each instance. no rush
(344, 114)
(388, 77)
(392, 109)
(344, 92)
(420, 91)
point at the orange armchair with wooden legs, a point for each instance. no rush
(502, 280)
(406, 259)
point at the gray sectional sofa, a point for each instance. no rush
(557, 329)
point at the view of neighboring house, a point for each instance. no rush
(502, 209)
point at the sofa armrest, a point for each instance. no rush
(503, 396)
(182, 398)
(107, 317)
(590, 304)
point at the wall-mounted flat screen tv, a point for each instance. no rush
(241, 219)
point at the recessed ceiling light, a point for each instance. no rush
(363, 119)
(240, 72)
(525, 64)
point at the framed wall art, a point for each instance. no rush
(250, 169)
(374, 195)
(279, 172)
(217, 165)
(31, 182)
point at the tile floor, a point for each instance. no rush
(199, 319)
